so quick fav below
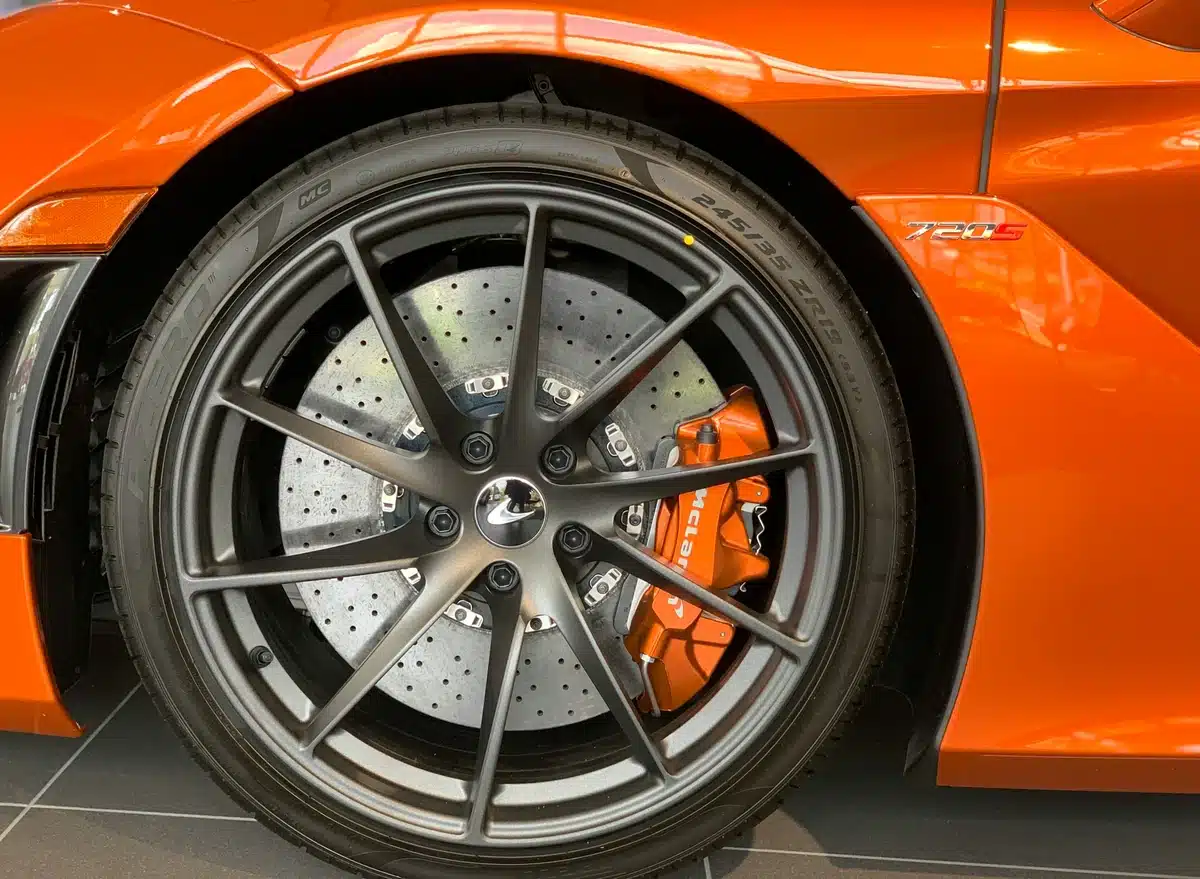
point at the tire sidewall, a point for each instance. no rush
(825, 313)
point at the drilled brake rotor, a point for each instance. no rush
(464, 324)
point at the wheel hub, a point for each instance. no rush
(463, 322)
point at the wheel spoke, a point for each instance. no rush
(607, 492)
(640, 562)
(422, 472)
(521, 419)
(508, 634)
(578, 422)
(447, 575)
(563, 605)
(395, 549)
(445, 424)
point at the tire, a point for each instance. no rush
(828, 324)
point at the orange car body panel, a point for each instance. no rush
(29, 700)
(86, 123)
(895, 107)
(1098, 135)
(1085, 410)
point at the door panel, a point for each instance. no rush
(1098, 134)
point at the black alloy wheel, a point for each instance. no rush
(401, 424)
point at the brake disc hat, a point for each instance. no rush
(463, 321)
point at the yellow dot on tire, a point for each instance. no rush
(689, 240)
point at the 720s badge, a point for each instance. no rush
(968, 231)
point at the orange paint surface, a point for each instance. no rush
(1098, 134)
(29, 700)
(1086, 405)
(87, 222)
(897, 106)
(91, 120)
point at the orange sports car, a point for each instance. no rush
(514, 434)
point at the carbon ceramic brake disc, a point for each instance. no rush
(464, 323)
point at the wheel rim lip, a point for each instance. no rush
(783, 680)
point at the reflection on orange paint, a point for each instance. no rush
(1170, 22)
(29, 700)
(1086, 405)
(1118, 9)
(87, 123)
(1106, 148)
(82, 222)
(897, 106)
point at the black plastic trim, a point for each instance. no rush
(925, 745)
(43, 292)
(993, 100)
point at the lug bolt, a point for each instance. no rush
(334, 334)
(442, 521)
(478, 448)
(559, 460)
(261, 657)
(574, 540)
(502, 577)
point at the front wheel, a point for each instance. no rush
(505, 492)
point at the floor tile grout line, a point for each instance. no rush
(146, 813)
(933, 862)
(74, 756)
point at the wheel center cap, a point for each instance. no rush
(510, 512)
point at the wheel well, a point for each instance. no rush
(924, 658)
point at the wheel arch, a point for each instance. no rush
(938, 607)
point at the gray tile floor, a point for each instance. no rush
(126, 801)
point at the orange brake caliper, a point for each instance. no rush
(677, 643)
